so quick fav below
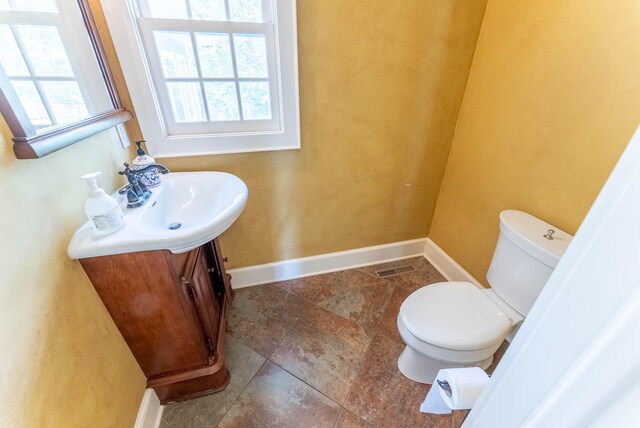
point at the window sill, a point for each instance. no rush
(217, 152)
(202, 145)
(37, 146)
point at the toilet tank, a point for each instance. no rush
(524, 259)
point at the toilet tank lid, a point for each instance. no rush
(527, 232)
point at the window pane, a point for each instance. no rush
(211, 10)
(65, 101)
(256, 103)
(172, 9)
(214, 53)
(45, 50)
(176, 54)
(33, 5)
(245, 10)
(10, 56)
(32, 103)
(222, 100)
(4, 5)
(251, 55)
(186, 102)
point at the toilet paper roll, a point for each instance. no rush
(433, 403)
(466, 385)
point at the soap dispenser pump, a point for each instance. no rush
(150, 178)
(103, 211)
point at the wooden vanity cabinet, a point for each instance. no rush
(170, 309)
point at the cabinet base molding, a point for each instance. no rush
(190, 384)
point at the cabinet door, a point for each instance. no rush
(200, 289)
(158, 322)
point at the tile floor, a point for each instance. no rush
(317, 352)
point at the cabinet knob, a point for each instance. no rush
(226, 259)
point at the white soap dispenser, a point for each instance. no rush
(103, 211)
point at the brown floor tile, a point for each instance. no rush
(320, 355)
(415, 280)
(388, 325)
(348, 419)
(498, 356)
(275, 398)
(261, 316)
(357, 296)
(383, 397)
(308, 287)
(324, 350)
(207, 411)
(458, 417)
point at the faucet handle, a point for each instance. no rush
(124, 189)
(126, 170)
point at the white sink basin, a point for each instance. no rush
(203, 204)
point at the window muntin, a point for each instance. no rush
(213, 76)
(208, 10)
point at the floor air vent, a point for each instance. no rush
(385, 273)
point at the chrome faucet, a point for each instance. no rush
(161, 168)
(137, 193)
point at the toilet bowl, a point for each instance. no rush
(457, 324)
(449, 325)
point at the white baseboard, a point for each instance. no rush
(324, 263)
(150, 413)
(446, 265)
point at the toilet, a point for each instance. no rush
(457, 324)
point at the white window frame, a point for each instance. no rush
(283, 131)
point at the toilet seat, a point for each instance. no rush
(454, 315)
(450, 356)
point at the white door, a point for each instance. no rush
(576, 360)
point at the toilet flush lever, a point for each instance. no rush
(549, 234)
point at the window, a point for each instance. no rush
(52, 82)
(210, 76)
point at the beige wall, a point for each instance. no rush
(63, 362)
(380, 87)
(552, 99)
